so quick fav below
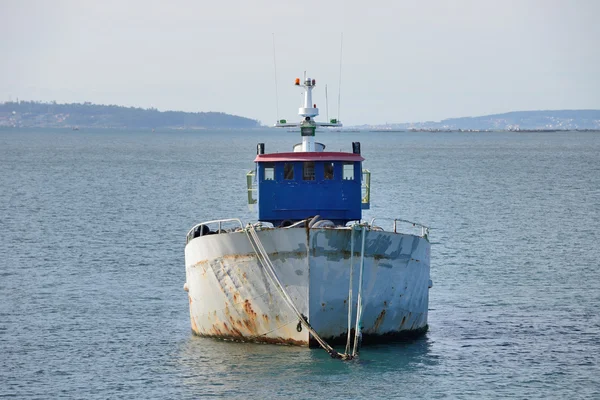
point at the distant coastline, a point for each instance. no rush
(518, 130)
(76, 116)
(516, 121)
(35, 114)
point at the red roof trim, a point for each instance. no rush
(309, 156)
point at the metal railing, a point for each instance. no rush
(366, 189)
(424, 229)
(190, 234)
(252, 190)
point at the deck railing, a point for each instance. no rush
(220, 222)
(366, 189)
(424, 229)
(252, 190)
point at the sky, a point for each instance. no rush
(401, 61)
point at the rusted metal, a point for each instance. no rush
(379, 320)
(239, 257)
(248, 309)
(234, 300)
(256, 339)
(194, 325)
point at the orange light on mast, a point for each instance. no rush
(297, 83)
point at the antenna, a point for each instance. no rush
(276, 91)
(326, 104)
(340, 84)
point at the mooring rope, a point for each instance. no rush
(350, 299)
(357, 329)
(264, 259)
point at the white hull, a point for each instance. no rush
(232, 297)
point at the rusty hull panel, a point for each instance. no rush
(232, 298)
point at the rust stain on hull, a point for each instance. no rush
(242, 323)
(194, 326)
(238, 320)
(244, 257)
(235, 328)
(379, 320)
(256, 339)
(248, 309)
(250, 326)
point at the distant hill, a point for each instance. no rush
(87, 115)
(53, 115)
(516, 120)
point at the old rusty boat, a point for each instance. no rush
(310, 271)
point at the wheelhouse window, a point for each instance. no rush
(288, 171)
(308, 171)
(348, 171)
(269, 172)
(328, 171)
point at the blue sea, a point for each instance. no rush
(92, 235)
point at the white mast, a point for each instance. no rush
(308, 111)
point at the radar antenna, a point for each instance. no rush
(339, 116)
(275, 68)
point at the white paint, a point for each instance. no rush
(307, 111)
(308, 143)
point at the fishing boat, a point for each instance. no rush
(309, 271)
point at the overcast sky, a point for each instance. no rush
(403, 61)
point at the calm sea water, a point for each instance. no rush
(92, 233)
